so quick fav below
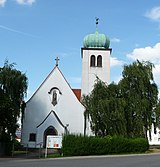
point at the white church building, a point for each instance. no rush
(55, 108)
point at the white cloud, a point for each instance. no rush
(115, 40)
(154, 13)
(25, 2)
(2, 3)
(146, 54)
(116, 62)
(117, 79)
(151, 54)
(156, 74)
(156, 70)
(16, 31)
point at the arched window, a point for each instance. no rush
(92, 61)
(99, 61)
(54, 97)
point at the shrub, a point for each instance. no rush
(74, 145)
(17, 146)
(6, 144)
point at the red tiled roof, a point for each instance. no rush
(77, 92)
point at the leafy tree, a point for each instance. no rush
(114, 107)
(129, 108)
(105, 109)
(156, 115)
(86, 103)
(13, 87)
(141, 95)
(96, 111)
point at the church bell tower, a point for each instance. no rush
(95, 60)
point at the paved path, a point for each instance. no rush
(146, 160)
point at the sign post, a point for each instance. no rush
(53, 142)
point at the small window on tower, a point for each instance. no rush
(92, 61)
(99, 61)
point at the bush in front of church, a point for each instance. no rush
(5, 145)
(74, 145)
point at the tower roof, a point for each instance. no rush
(96, 40)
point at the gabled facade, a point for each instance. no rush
(54, 109)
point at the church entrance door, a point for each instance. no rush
(49, 131)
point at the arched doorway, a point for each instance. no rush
(49, 131)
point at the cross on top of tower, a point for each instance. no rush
(97, 19)
(57, 59)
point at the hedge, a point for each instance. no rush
(5, 145)
(74, 145)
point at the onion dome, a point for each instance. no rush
(96, 40)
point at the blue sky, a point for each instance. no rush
(34, 32)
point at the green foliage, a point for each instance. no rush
(156, 115)
(78, 145)
(128, 108)
(5, 140)
(105, 108)
(141, 96)
(17, 146)
(13, 87)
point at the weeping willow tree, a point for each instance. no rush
(128, 108)
(105, 108)
(141, 97)
(86, 103)
(114, 105)
(13, 87)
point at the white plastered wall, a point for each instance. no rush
(68, 109)
(89, 73)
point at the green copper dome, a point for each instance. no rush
(96, 40)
